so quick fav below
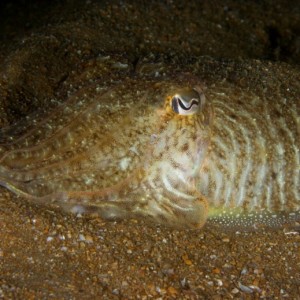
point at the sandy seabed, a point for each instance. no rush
(45, 254)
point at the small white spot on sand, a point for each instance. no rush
(49, 238)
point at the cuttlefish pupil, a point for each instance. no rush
(188, 102)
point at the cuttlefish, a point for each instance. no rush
(159, 148)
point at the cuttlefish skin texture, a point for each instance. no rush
(252, 171)
(158, 149)
(125, 153)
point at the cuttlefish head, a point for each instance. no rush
(188, 127)
(177, 155)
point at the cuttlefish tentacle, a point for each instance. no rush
(167, 157)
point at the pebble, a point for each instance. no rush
(172, 291)
(226, 240)
(49, 238)
(186, 260)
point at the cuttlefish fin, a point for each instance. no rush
(126, 201)
(192, 214)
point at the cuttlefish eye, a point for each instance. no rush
(188, 101)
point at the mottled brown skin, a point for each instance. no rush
(251, 174)
(117, 149)
(115, 146)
